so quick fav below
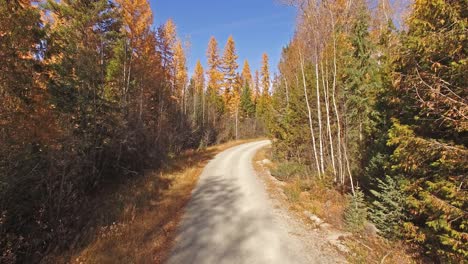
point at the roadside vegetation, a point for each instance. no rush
(368, 119)
(333, 214)
(136, 222)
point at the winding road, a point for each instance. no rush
(230, 218)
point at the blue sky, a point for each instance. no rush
(257, 26)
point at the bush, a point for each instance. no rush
(288, 170)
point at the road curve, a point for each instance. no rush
(230, 218)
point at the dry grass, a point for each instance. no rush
(306, 194)
(145, 213)
(366, 249)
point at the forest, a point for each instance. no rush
(379, 112)
(93, 94)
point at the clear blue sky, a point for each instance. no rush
(257, 26)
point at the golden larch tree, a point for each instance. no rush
(256, 92)
(230, 67)
(169, 38)
(247, 75)
(199, 78)
(137, 19)
(180, 73)
(265, 75)
(180, 66)
(170, 32)
(215, 76)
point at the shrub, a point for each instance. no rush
(286, 171)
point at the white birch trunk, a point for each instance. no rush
(327, 106)
(309, 111)
(335, 107)
(319, 112)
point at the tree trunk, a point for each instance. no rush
(327, 106)
(319, 112)
(335, 107)
(309, 111)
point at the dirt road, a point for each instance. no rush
(230, 218)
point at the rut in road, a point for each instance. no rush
(231, 220)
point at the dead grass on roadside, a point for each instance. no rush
(305, 194)
(367, 249)
(146, 213)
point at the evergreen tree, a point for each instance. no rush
(428, 102)
(388, 207)
(355, 214)
(361, 87)
(246, 103)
